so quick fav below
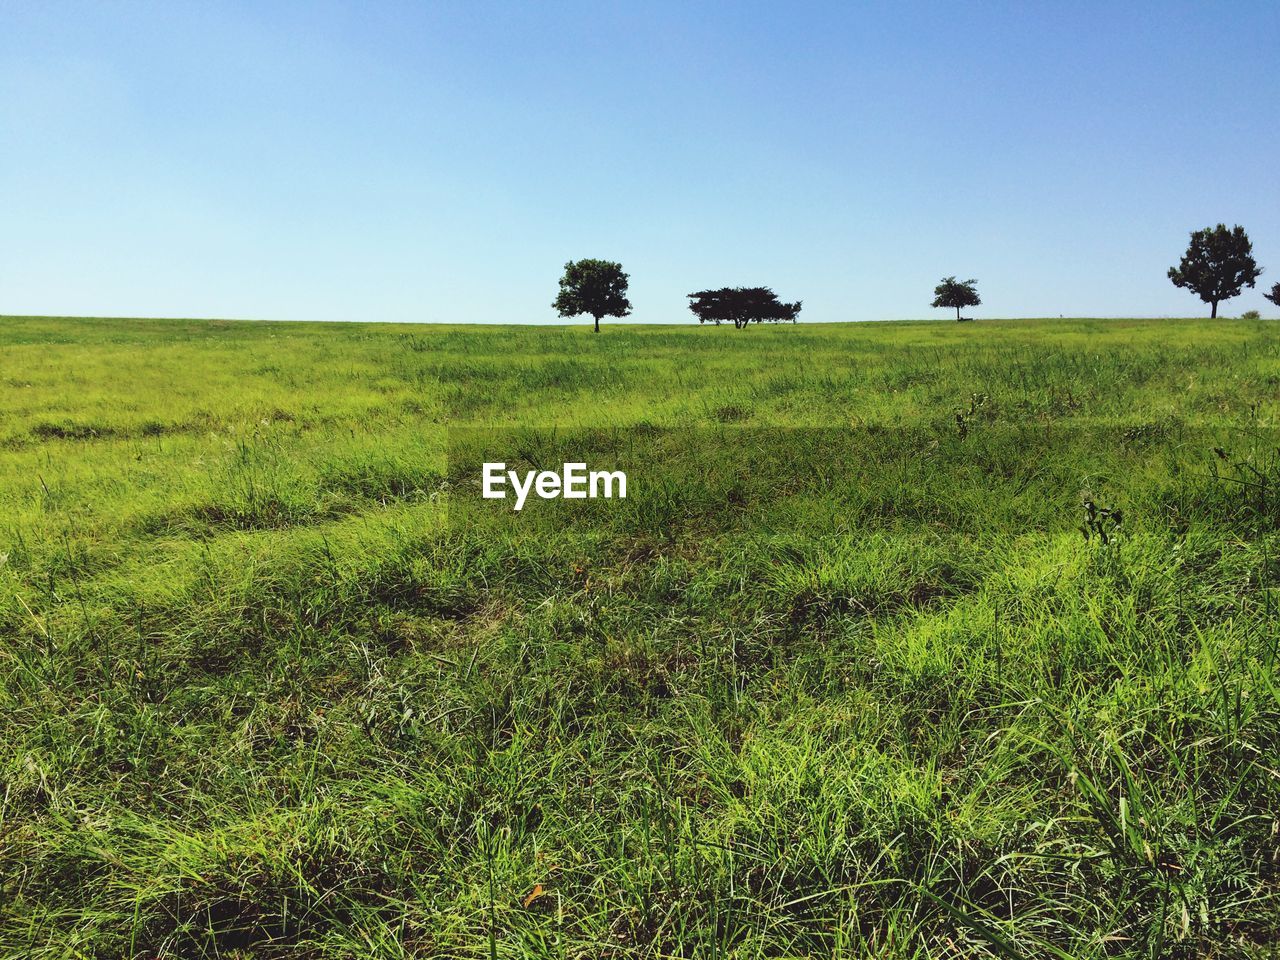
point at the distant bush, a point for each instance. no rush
(1251, 315)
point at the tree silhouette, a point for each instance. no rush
(741, 306)
(956, 293)
(1274, 295)
(1218, 264)
(597, 287)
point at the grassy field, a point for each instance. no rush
(265, 691)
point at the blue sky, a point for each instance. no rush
(441, 161)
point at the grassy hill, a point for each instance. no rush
(843, 677)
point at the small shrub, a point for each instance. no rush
(1251, 315)
(1101, 522)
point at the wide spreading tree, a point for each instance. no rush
(597, 287)
(956, 293)
(1218, 264)
(741, 306)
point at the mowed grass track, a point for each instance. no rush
(258, 699)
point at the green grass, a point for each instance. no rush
(267, 691)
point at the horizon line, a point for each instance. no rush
(586, 324)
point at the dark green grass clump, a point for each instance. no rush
(884, 688)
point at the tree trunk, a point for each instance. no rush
(957, 314)
(1214, 314)
(597, 324)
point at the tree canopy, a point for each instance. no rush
(741, 306)
(1218, 264)
(1274, 295)
(956, 293)
(597, 287)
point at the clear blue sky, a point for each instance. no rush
(440, 161)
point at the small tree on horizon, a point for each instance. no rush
(597, 287)
(956, 293)
(1274, 295)
(742, 306)
(1218, 264)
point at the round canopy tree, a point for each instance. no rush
(597, 287)
(1218, 264)
(956, 293)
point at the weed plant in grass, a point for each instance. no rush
(850, 673)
